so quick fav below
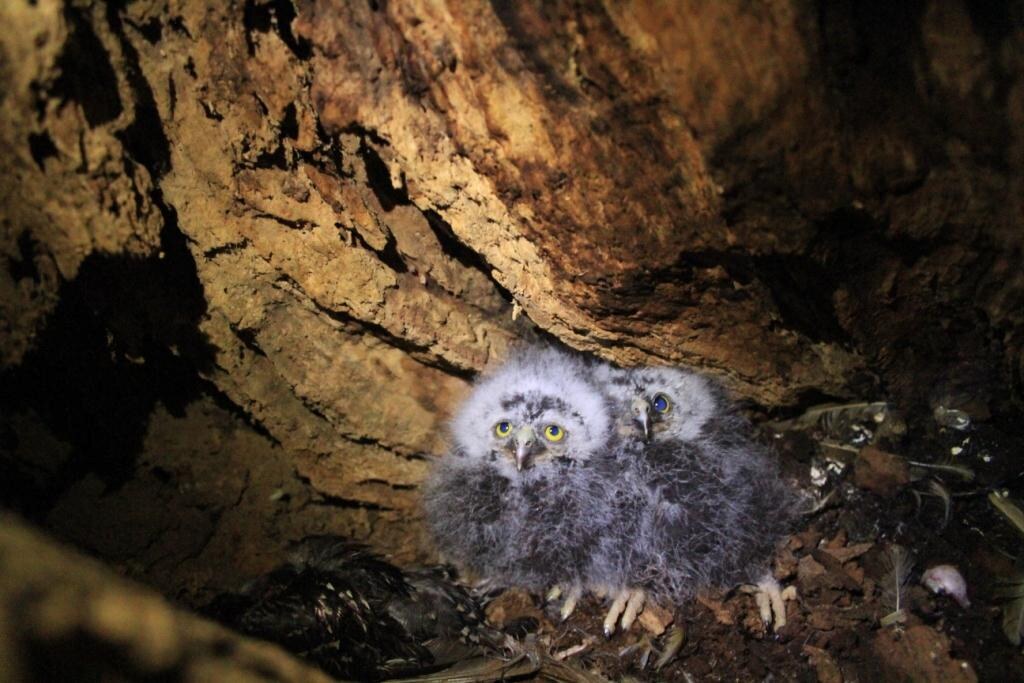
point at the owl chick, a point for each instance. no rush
(700, 502)
(516, 501)
(661, 402)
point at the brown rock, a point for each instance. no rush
(880, 472)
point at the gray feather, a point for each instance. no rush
(698, 504)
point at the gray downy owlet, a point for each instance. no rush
(518, 499)
(697, 503)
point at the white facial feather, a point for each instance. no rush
(692, 400)
(536, 388)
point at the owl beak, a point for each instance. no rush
(526, 441)
(642, 416)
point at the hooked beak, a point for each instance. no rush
(525, 441)
(642, 416)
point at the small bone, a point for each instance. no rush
(575, 649)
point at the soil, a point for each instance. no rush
(837, 562)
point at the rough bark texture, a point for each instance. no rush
(64, 617)
(252, 251)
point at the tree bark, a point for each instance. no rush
(336, 213)
(65, 617)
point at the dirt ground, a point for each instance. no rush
(839, 562)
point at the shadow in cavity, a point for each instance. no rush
(86, 74)
(123, 337)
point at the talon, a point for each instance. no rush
(764, 606)
(615, 611)
(634, 606)
(571, 599)
(770, 602)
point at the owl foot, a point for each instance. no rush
(569, 604)
(627, 604)
(770, 602)
(572, 599)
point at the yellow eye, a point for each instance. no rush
(554, 433)
(661, 404)
(503, 428)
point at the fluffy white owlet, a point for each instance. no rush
(518, 500)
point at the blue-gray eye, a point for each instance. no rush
(503, 428)
(661, 404)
